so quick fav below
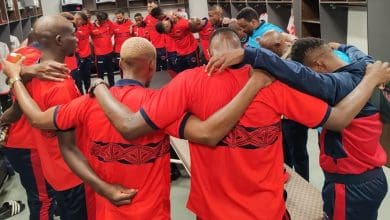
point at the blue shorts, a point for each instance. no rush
(172, 60)
(352, 197)
(161, 63)
(187, 61)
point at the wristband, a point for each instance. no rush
(11, 81)
(94, 85)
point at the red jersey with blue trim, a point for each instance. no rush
(204, 37)
(141, 164)
(48, 94)
(242, 178)
(170, 44)
(20, 131)
(158, 40)
(121, 33)
(354, 150)
(138, 31)
(82, 34)
(184, 39)
(101, 38)
(71, 62)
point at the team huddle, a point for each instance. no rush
(105, 154)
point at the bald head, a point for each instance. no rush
(55, 33)
(235, 27)
(216, 8)
(215, 14)
(277, 42)
(223, 40)
(69, 16)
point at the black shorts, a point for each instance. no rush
(161, 63)
(188, 61)
(172, 60)
(354, 196)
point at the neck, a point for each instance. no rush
(51, 54)
(338, 64)
(258, 25)
(135, 75)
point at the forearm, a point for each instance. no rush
(34, 114)
(11, 115)
(347, 109)
(218, 125)
(26, 73)
(80, 166)
(292, 73)
(129, 124)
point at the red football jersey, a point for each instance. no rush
(82, 34)
(21, 130)
(142, 164)
(121, 33)
(170, 44)
(242, 178)
(361, 150)
(71, 62)
(184, 39)
(101, 38)
(140, 32)
(204, 37)
(48, 94)
(158, 40)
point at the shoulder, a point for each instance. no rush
(67, 86)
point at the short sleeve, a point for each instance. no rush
(169, 104)
(299, 106)
(70, 115)
(176, 129)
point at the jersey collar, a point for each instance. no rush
(261, 24)
(128, 82)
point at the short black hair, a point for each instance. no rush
(302, 46)
(101, 15)
(83, 16)
(248, 14)
(120, 12)
(152, 1)
(138, 15)
(156, 12)
(160, 27)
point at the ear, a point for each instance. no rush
(152, 66)
(320, 65)
(254, 22)
(59, 40)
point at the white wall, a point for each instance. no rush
(51, 7)
(198, 8)
(357, 29)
